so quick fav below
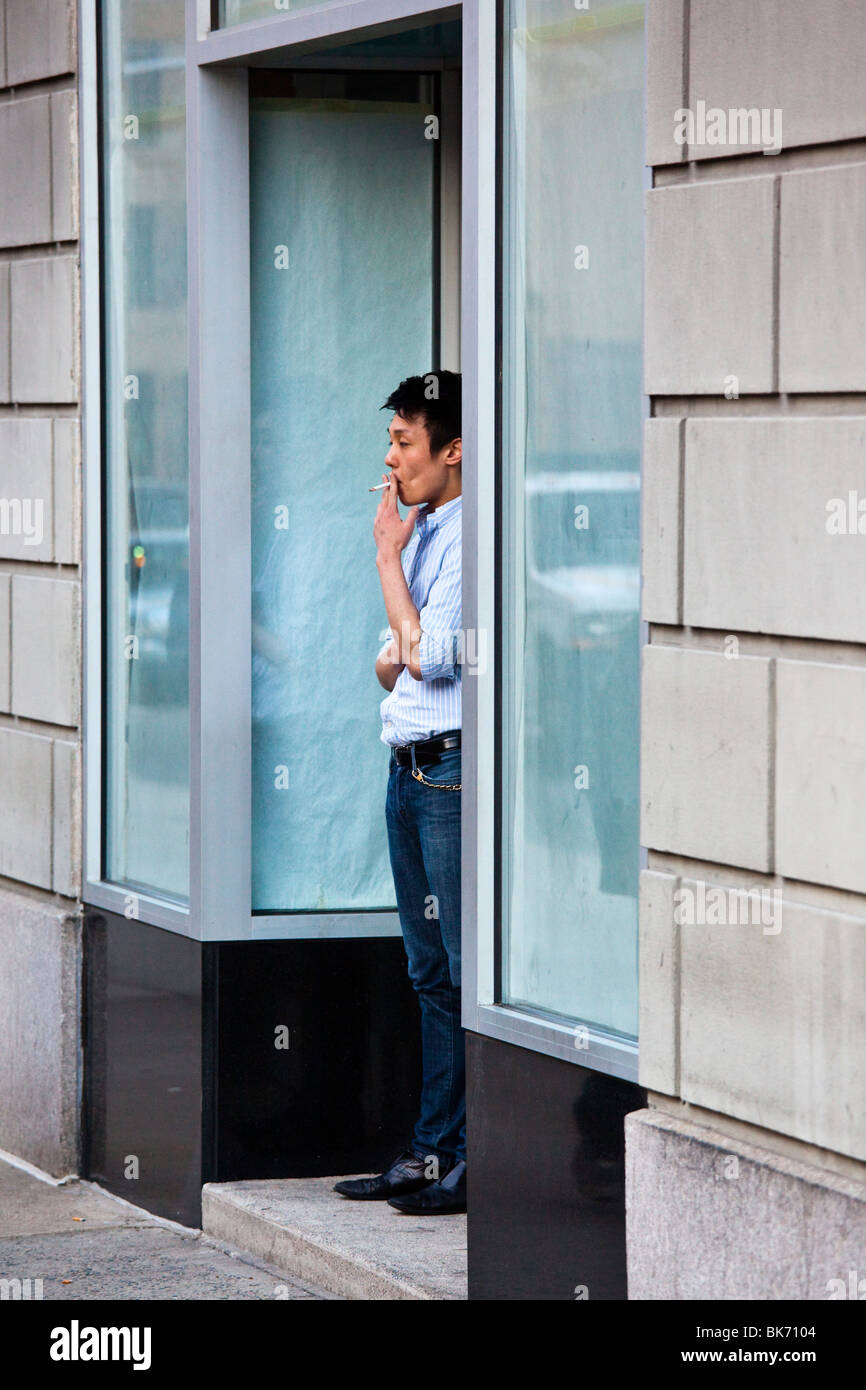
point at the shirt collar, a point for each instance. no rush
(435, 518)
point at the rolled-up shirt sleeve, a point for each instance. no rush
(439, 647)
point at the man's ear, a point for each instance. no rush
(455, 452)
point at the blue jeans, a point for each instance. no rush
(424, 845)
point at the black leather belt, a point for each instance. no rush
(427, 750)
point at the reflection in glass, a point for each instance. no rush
(146, 626)
(572, 420)
(341, 202)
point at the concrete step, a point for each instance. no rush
(358, 1250)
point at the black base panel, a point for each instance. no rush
(184, 1083)
(142, 1065)
(342, 1096)
(546, 1175)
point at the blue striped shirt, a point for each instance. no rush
(432, 564)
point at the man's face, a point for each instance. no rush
(420, 476)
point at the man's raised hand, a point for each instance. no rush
(392, 532)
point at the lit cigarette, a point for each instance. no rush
(379, 488)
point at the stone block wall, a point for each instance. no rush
(40, 623)
(753, 776)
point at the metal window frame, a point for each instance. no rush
(580, 1042)
(218, 325)
(96, 890)
(219, 413)
(219, 337)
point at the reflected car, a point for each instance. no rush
(158, 569)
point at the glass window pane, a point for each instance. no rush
(572, 422)
(341, 276)
(146, 625)
(240, 11)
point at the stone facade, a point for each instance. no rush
(40, 628)
(747, 1174)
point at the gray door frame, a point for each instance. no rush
(219, 337)
(218, 318)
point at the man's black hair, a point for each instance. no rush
(435, 398)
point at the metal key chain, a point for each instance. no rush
(440, 786)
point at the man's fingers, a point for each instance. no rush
(383, 498)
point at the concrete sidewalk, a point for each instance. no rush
(83, 1243)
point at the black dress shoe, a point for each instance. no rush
(444, 1197)
(408, 1173)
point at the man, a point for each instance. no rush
(420, 665)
